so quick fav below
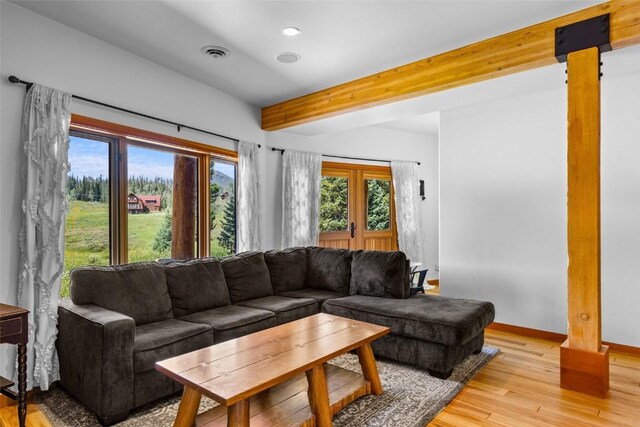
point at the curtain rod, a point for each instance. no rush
(179, 126)
(281, 150)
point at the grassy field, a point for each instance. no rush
(87, 237)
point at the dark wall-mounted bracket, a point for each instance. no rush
(593, 32)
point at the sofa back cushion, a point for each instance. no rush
(137, 290)
(247, 276)
(196, 285)
(288, 269)
(380, 274)
(329, 269)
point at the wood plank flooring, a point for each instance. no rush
(519, 387)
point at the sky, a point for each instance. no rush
(91, 158)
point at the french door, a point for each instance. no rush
(357, 209)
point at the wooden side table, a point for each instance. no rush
(14, 330)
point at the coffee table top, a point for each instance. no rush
(235, 370)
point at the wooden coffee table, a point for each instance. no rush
(261, 376)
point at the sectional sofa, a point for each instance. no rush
(120, 320)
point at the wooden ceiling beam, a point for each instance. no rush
(524, 49)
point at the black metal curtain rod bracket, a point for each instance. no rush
(179, 126)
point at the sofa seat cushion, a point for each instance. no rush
(196, 285)
(233, 321)
(286, 309)
(329, 269)
(167, 338)
(288, 269)
(320, 295)
(247, 276)
(443, 320)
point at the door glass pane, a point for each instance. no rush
(222, 189)
(162, 194)
(86, 230)
(334, 203)
(378, 204)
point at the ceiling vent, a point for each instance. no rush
(215, 52)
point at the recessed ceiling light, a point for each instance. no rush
(291, 31)
(288, 57)
(215, 52)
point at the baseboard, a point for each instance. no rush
(622, 348)
(434, 282)
(556, 337)
(527, 332)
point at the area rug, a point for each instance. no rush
(411, 398)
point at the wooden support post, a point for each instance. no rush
(183, 223)
(584, 361)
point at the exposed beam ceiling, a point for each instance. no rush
(524, 49)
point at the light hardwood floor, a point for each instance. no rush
(519, 387)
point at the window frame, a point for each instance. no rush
(120, 137)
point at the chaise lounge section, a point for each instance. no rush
(431, 332)
(122, 319)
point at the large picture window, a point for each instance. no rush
(139, 196)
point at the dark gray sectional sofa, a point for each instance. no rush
(122, 319)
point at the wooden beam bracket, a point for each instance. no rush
(593, 32)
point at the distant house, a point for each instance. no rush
(142, 203)
(224, 195)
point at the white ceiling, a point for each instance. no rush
(428, 123)
(340, 40)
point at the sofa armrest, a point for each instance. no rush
(95, 350)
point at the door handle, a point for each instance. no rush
(353, 229)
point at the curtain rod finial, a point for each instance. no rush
(14, 79)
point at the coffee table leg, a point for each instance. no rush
(188, 408)
(238, 414)
(369, 368)
(319, 395)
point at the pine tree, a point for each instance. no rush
(162, 241)
(377, 204)
(333, 203)
(227, 237)
(214, 191)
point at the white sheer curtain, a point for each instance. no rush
(406, 184)
(45, 136)
(248, 205)
(301, 174)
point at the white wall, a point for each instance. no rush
(371, 142)
(503, 207)
(40, 50)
